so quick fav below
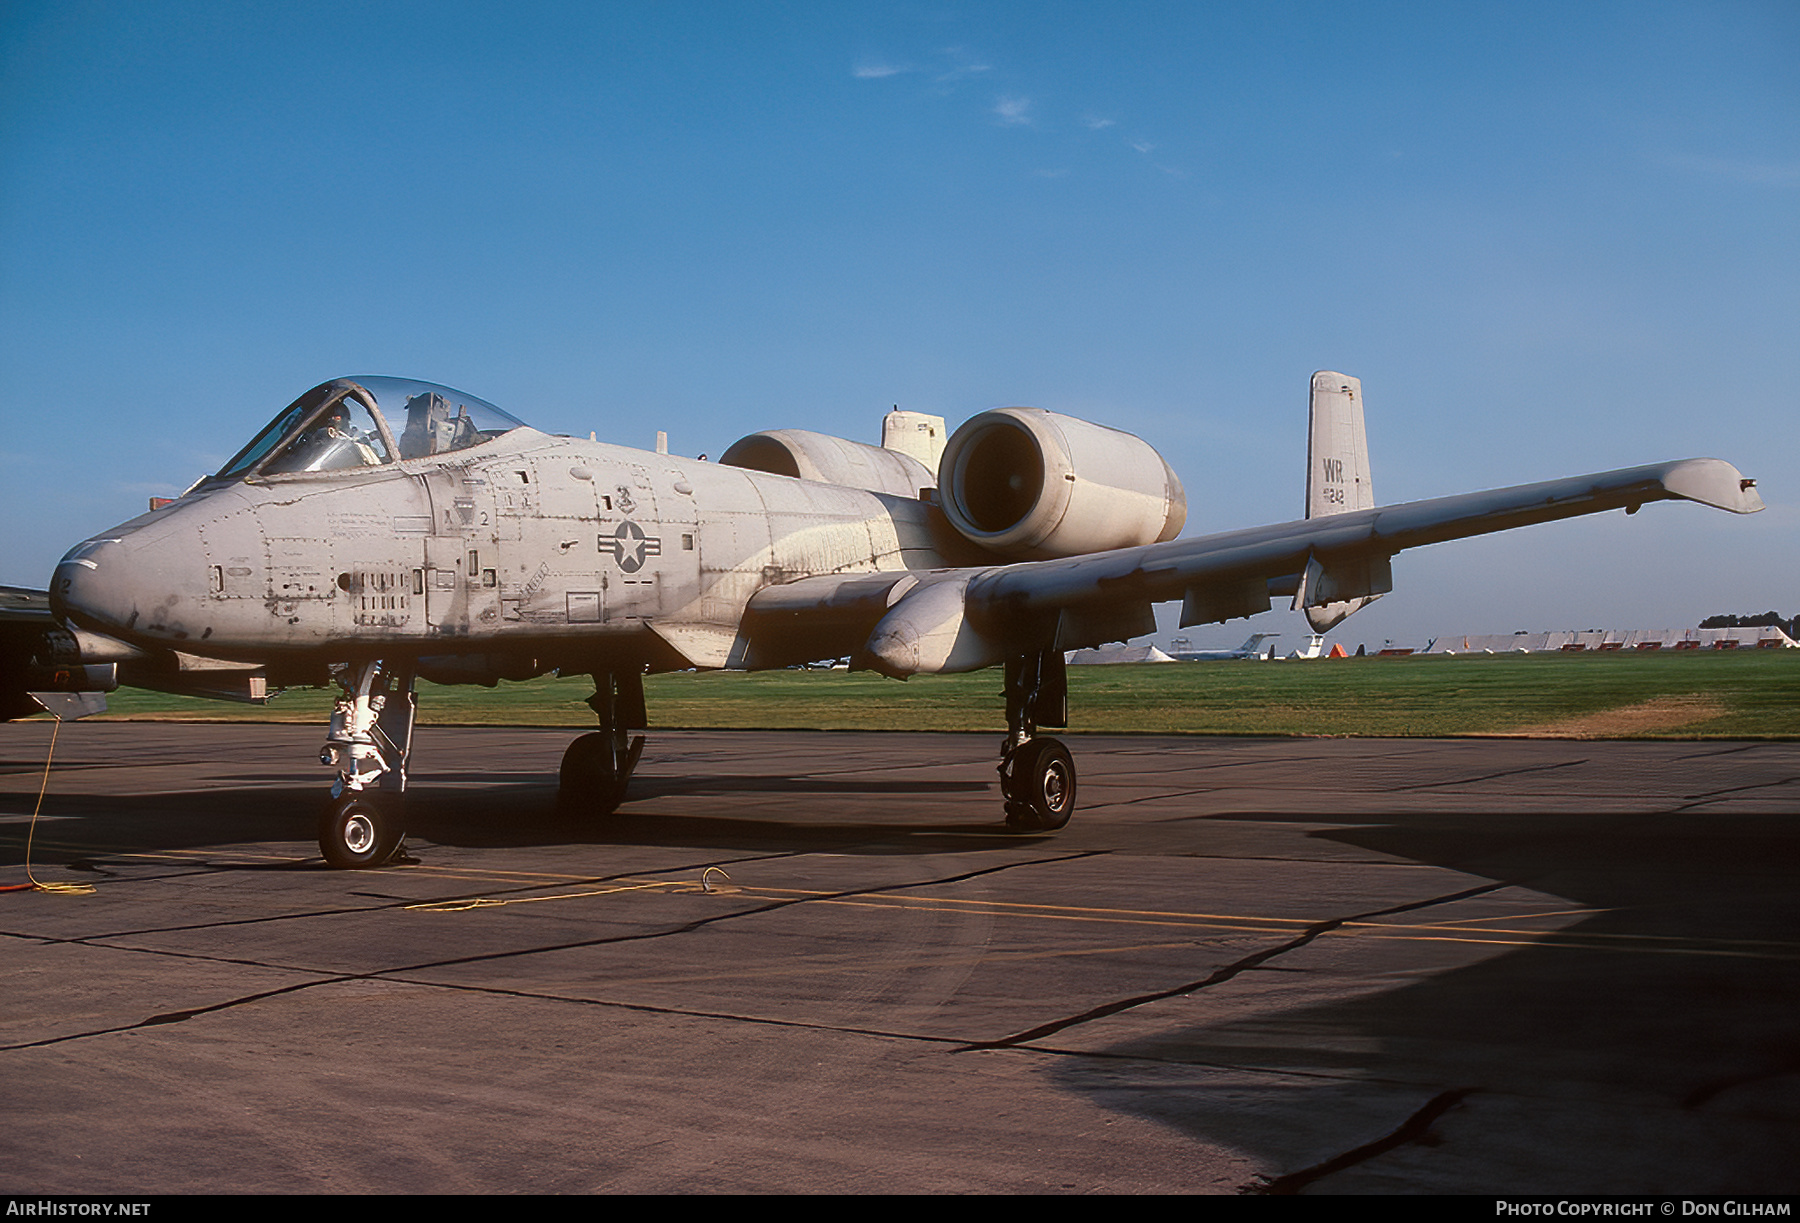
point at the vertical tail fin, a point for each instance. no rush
(1337, 482)
(1337, 452)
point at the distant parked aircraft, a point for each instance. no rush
(1252, 648)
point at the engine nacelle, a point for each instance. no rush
(1035, 485)
(806, 455)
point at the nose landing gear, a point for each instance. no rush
(364, 823)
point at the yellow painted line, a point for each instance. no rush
(1460, 931)
(1596, 936)
(1470, 921)
(466, 872)
(992, 908)
(175, 856)
(1649, 944)
(1032, 910)
(1239, 923)
(837, 965)
(235, 855)
(1575, 943)
(1121, 917)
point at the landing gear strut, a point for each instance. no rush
(598, 766)
(1037, 776)
(371, 739)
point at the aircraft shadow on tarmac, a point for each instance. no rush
(1650, 1046)
(510, 815)
(518, 817)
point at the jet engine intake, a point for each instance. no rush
(1037, 485)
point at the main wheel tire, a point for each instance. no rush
(588, 782)
(359, 830)
(1041, 796)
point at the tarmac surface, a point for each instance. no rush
(1248, 965)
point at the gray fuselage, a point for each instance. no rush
(525, 543)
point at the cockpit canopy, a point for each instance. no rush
(349, 423)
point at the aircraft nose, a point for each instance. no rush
(89, 585)
(120, 586)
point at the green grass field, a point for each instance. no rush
(1710, 694)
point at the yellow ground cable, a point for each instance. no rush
(66, 889)
(495, 902)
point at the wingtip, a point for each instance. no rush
(1713, 482)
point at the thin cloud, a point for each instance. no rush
(1142, 146)
(962, 65)
(1013, 111)
(867, 71)
(1094, 123)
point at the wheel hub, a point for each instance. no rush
(359, 834)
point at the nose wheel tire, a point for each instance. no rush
(359, 830)
(1039, 784)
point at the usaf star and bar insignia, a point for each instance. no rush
(629, 546)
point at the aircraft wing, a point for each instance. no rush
(964, 619)
(1168, 571)
(30, 677)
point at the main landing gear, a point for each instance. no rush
(597, 767)
(371, 738)
(1037, 776)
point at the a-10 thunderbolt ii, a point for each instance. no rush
(380, 529)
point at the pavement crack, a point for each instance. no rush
(1469, 781)
(1159, 796)
(1727, 751)
(1220, 975)
(648, 1008)
(1710, 796)
(1703, 1094)
(1413, 1129)
(168, 1017)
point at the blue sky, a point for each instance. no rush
(1549, 238)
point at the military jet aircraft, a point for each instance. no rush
(380, 529)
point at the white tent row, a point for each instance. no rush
(1766, 637)
(1108, 654)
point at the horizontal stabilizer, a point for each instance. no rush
(68, 706)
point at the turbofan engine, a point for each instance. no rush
(1032, 484)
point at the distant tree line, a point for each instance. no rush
(1790, 627)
